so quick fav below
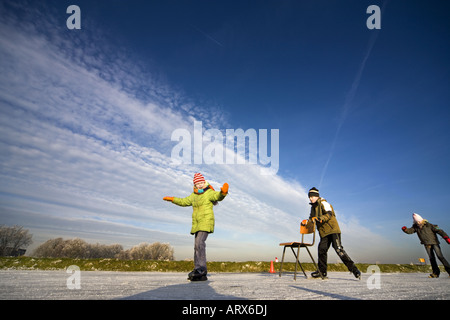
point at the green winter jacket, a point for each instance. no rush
(327, 223)
(202, 204)
(427, 234)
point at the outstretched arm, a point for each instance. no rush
(220, 195)
(408, 230)
(183, 202)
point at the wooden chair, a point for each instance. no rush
(309, 228)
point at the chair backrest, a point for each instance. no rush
(308, 229)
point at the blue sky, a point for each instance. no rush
(87, 117)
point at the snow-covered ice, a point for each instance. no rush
(101, 285)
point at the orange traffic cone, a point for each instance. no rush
(272, 270)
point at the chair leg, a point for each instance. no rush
(282, 260)
(321, 275)
(296, 262)
(297, 258)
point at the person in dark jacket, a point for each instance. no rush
(427, 235)
(330, 234)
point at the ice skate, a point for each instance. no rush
(197, 276)
(316, 275)
(357, 274)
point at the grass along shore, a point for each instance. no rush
(30, 263)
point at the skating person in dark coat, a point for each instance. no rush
(323, 214)
(427, 235)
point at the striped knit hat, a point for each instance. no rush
(198, 177)
(313, 192)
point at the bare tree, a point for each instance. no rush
(12, 239)
(50, 249)
(154, 251)
(75, 248)
(104, 251)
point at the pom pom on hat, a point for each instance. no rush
(417, 218)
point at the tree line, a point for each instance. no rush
(80, 249)
(14, 240)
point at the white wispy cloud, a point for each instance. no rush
(81, 151)
(349, 101)
(85, 145)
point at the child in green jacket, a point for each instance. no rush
(202, 200)
(427, 235)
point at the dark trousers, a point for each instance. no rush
(431, 250)
(200, 251)
(334, 240)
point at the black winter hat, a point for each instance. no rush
(313, 192)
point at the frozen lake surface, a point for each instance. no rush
(105, 285)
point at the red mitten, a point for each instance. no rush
(447, 239)
(403, 228)
(168, 199)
